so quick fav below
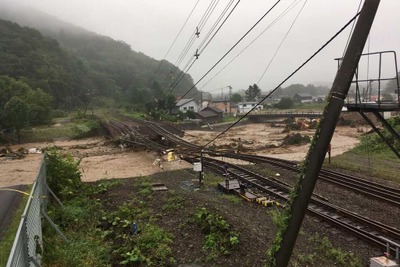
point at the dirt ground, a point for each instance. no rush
(102, 160)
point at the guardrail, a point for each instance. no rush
(28, 244)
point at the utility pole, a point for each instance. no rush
(230, 100)
(282, 250)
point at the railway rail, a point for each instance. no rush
(365, 187)
(369, 230)
(362, 227)
(368, 188)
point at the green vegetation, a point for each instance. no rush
(76, 71)
(9, 235)
(373, 144)
(174, 202)
(219, 239)
(211, 180)
(285, 103)
(252, 92)
(294, 89)
(98, 237)
(371, 157)
(79, 70)
(324, 250)
(63, 175)
(383, 166)
(152, 247)
(77, 220)
(232, 198)
(296, 139)
(236, 98)
(71, 130)
(229, 119)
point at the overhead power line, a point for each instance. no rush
(231, 48)
(190, 42)
(351, 30)
(287, 78)
(205, 39)
(176, 38)
(281, 43)
(287, 10)
(201, 48)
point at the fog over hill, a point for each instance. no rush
(108, 67)
(34, 18)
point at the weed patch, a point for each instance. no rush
(219, 238)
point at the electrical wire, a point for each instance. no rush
(176, 38)
(201, 49)
(179, 79)
(190, 42)
(287, 78)
(287, 10)
(197, 51)
(351, 30)
(187, 92)
(283, 40)
(207, 15)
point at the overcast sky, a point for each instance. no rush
(150, 26)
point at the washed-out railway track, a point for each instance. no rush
(359, 226)
(362, 227)
(365, 187)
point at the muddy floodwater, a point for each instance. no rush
(101, 160)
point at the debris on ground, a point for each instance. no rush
(8, 153)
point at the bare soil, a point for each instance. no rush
(100, 160)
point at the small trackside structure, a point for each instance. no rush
(210, 115)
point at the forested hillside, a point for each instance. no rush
(75, 66)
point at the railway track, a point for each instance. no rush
(362, 227)
(368, 188)
(128, 134)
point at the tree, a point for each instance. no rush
(190, 114)
(40, 106)
(170, 103)
(236, 98)
(285, 103)
(16, 115)
(252, 92)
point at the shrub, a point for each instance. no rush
(63, 175)
(296, 139)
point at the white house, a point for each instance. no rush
(187, 104)
(244, 107)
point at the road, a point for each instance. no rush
(10, 201)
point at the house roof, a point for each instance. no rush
(219, 100)
(212, 109)
(247, 103)
(184, 101)
(304, 94)
(206, 114)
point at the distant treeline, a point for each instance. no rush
(73, 69)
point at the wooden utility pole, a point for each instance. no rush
(304, 188)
